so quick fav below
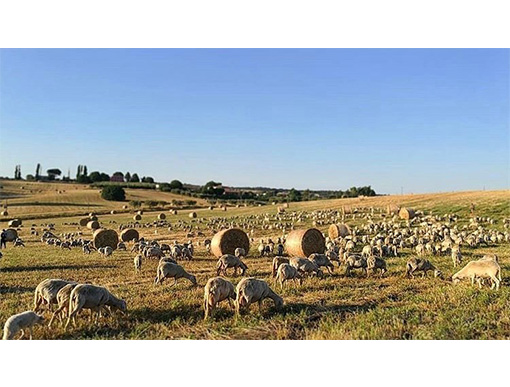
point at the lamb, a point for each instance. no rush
(250, 290)
(456, 256)
(277, 261)
(168, 269)
(19, 322)
(216, 290)
(19, 243)
(261, 249)
(374, 263)
(105, 251)
(333, 256)
(355, 261)
(138, 262)
(279, 249)
(154, 252)
(95, 298)
(480, 269)
(63, 297)
(287, 272)
(227, 261)
(46, 292)
(304, 265)
(423, 265)
(322, 260)
(186, 254)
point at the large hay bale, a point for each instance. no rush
(286, 205)
(336, 230)
(112, 212)
(124, 207)
(192, 215)
(5, 213)
(104, 237)
(302, 243)
(129, 234)
(161, 216)
(227, 241)
(173, 212)
(11, 235)
(93, 225)
(137, 217)
(84, 221)
(139, 212)
(406, 213)
(93, 217)
(14, 223)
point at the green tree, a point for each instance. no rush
(147, 179)
(176, 184)
(127, 176)
(135, 178)
(113, 193)
(38, 172)
(53, 172)
(94, 177)
(294, 195)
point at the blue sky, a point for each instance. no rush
(425, 120)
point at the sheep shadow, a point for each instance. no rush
(16, 289)
(53, 267)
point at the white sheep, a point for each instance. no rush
(250, 290)
(46, 292)
(172, 270)
(480, 269)
(63, 297)
(95, 298)
(216, 290)
(322, 260)
(137, 260)
(19, 322)
(277, 261)
(374, 263)
(355, 261)
(105, 251)
(240, 252)
(304, 265)
(227, 261)
(423, 265)
(287, 272)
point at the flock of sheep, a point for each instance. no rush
(365, 248)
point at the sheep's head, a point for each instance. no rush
(39, 319)
(278, 302)
(193, 280)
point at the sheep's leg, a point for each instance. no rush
(57, 312)
(31, 328)
(22, 334)
(260, 306)
(175, 282)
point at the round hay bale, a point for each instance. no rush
(11, 235)
(406, 213)
(211, 208)
(139, 212)
(174, 212)
(93, 225)
(104, 237)
(302, 243)
(227, 241)
(161, 216)
(5, 213)
(92, 214)
(192, 215)
(392, 209)
(129, 234)
(112, 212)
(285, 205)
(14, 223)
(137, 217)
(124, 207)
(84, 221)
(93, 217)
(281, 210)
(336, 230)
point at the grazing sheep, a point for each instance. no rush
(277, 261)
(63, 297)
(19, 243)
(154, 252)
(480, 269)
(121, 246)
(227, 261)
(167, 259)
(216, 290)
(105, 251)
(374, 263)
(304, 265)
(19, 322)
(250, 290)
(423, 265)
(240, 252)
(322, 260)
(261, 249)
(138, 262)
(186, 254)
(95, 298)
(279, 249)
(172, 270)
(46, 292)
(355, 261)
(333, 256)
(287, 272)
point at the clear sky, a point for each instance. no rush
(425, 120)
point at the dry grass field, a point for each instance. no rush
(335, 307)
